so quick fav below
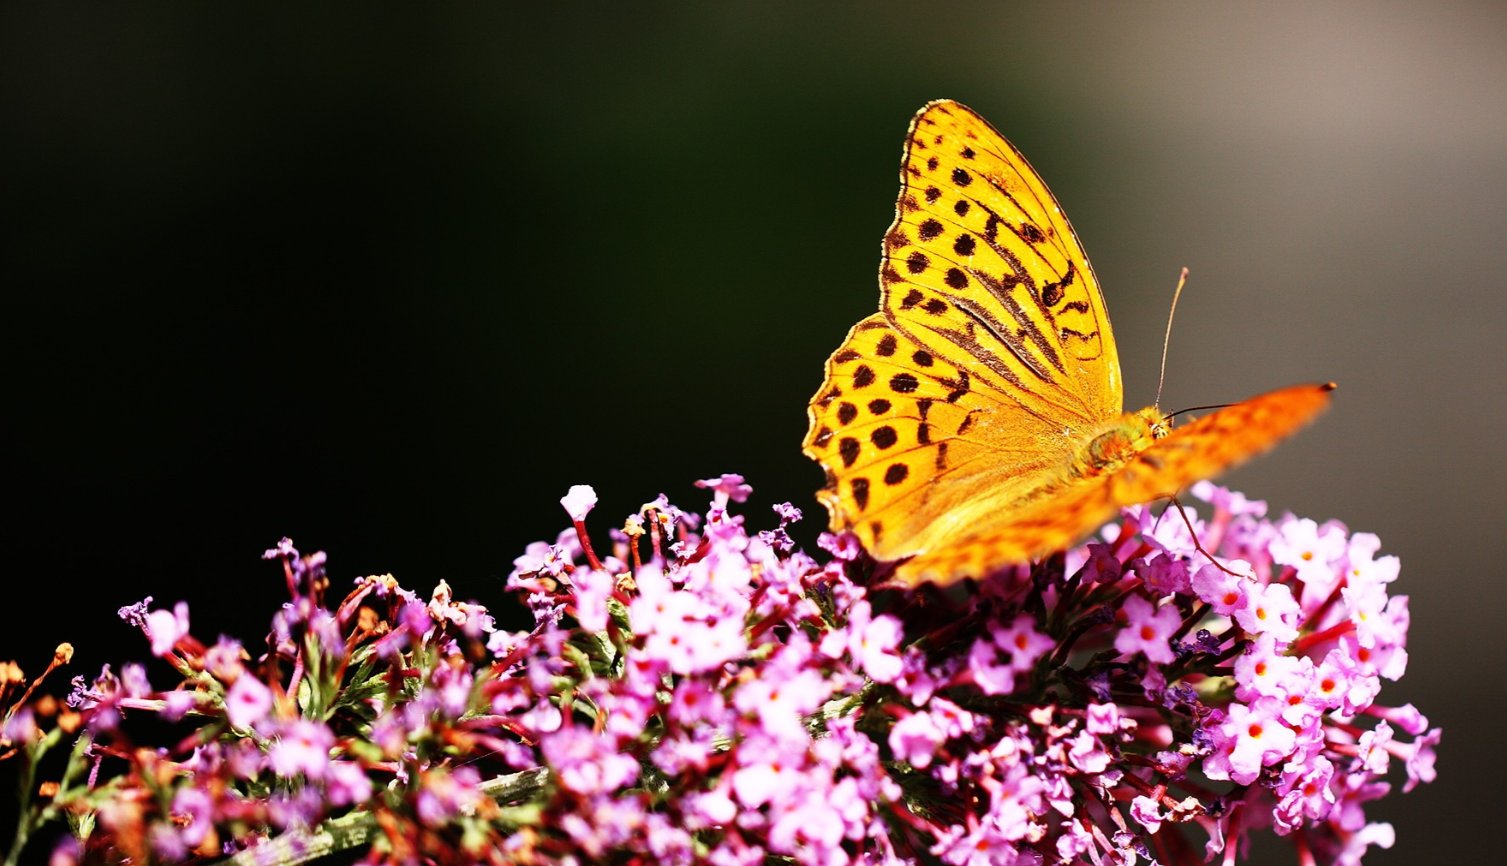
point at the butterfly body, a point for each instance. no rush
(1125, 437)
(977, 418)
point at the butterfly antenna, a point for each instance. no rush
(1199, 409)
(1167, 338)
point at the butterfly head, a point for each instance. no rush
(1158, 424)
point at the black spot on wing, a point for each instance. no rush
(860, 488)
(848, 450)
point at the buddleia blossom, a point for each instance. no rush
(699, 690)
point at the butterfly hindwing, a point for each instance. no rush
(892, 427)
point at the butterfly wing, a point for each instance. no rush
(989, 360)
(1199, 450)
(981, 264)
(892, 427)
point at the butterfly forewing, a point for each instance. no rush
(1199, 450)
(990, 358)
(982, 265)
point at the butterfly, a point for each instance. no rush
(977, 419)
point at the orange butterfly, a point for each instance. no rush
(977, 419)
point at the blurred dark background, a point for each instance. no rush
(389, 282)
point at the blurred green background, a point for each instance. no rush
(390, 280)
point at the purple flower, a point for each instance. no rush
(1165, 574)
(1146, 629)
(136, 614)
(1103, 566)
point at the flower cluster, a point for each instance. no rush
(705, 693)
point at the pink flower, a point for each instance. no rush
(1146, 629)
(767, 771)
(874, 643)
(1315, 551)
(780, 700)
(587, 763)
(695, 701)
(1420, 759)
(1223, 591)
(756, 705)
(709, 809)
(347, 784)
(592, 589)
(1022, 641)
(1270, 610)
(845, 546)
(445, 794)
(916, 738)
(248, 702)
(1102, 719)
(302, 747)
(166, 628)
(579, 501)
(986, 671)
(728, 486)
(1087, 753)
(1258, 736)
(1305, 794)
(1147, 812)
(193, 812)
(1362, 568)
(1264, 669)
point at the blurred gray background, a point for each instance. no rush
(390, 282)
